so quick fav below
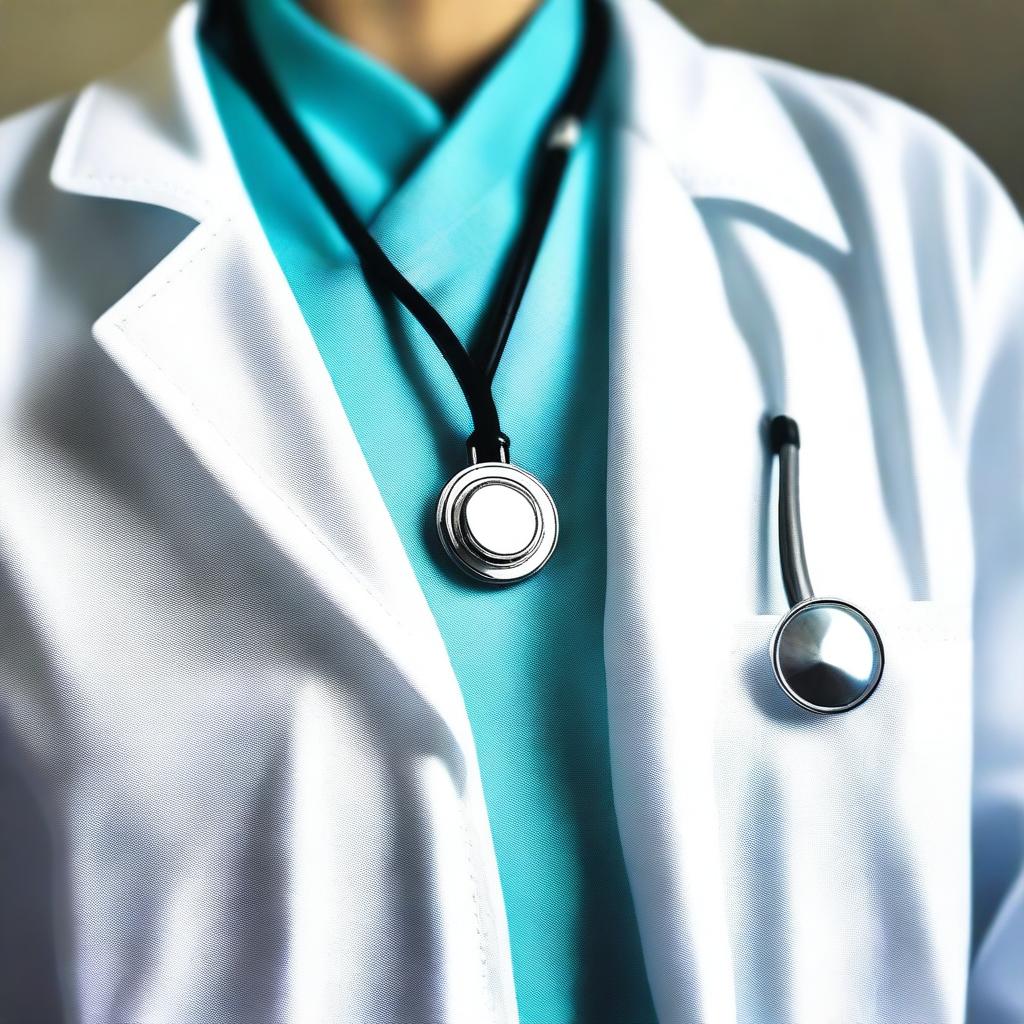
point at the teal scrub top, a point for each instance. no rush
(444, 194)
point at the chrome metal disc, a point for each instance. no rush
(827, 655)
(497, 522)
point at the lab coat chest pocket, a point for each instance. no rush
(845, 838)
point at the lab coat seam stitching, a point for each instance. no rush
(164, 184)
(299, 518)
(296, 515)
(166, 283)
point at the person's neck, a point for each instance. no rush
(442, 46)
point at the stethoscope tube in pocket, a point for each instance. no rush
(826, 654)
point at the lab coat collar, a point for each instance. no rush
(717, 122)
(151, 133)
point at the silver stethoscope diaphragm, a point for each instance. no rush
(497, 522)
(827, 654)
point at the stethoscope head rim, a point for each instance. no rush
(497, 522)
(827, 655)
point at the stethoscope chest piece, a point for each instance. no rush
(827, 655)
(497, 522)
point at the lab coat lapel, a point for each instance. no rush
(214, 338)
(685, 468)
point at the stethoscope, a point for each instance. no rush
(495, 520)
(827, 655)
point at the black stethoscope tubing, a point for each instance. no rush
(487, 442)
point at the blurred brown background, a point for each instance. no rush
(962, 60)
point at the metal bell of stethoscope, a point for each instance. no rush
(826, 654)
(496, 521)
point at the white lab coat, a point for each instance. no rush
(237, 778)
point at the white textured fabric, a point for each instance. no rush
(237, 781)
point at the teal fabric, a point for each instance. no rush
(444, 195)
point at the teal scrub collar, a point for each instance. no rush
(386, 140)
